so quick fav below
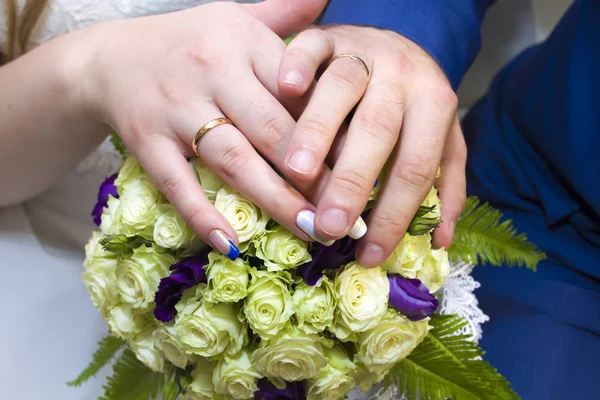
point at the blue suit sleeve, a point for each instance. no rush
(449, 30)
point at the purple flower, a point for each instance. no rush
(411, 298)
(268, 391)
(107, 188)
(185, 275)
(323, 258)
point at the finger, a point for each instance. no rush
(452, 185)
(412, 172)
(228, 153)
(339, 89)
(285, 17)
(171, 173)
(303, 56)
(371, 138)
(266, 124)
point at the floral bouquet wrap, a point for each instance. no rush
(286, 319)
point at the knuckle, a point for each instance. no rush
(379, 122)
(203, 57)
(172, 188)
(415, 172)
(445, 96)
(233, 161)
(315, 127)
(401, 63)
(275, 133)
(349, 77)
(351, 185)
(391, 225)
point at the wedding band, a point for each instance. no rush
(355, 58)
(206, 128)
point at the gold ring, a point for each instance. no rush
(355, 58)
(207, 127)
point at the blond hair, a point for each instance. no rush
(20, 27)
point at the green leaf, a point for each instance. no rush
(132, 380)
(122, 244)
(107, 348)
(118, 143)
(420, 225)
(482, 237)
(447, 365)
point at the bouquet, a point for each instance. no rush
(286, 319)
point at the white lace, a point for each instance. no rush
(68, 15)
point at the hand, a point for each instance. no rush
(158, 79)
(406, 109)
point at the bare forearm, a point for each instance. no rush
(44, 127)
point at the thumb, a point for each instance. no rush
(286, 17)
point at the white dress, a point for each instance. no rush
(48, 326)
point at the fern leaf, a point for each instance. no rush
(118, 143)
(446, 365)
(482, 237)
(132, 380)
(107, 348)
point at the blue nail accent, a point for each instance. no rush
(376, 182)
(234, 252)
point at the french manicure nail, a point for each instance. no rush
(359, 229)
(293, 78)
(303, 161)
(334, 222)
(306, 221)
(372, 255)
(224, 244)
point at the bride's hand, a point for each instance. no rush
(406, 108)
(157, 80)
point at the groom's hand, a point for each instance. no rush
(405, 108)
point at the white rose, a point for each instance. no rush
(138, 276)
(139, 206)
(110, 223)
(406, 259)
(99, 277)
(363, 299)
(170, 230)
(126, 322)
(130, 171)
(435, 268)
(167, 342)
(246, 218)
(202, 387)
(281, 249)
(236, 376)
(145, 349)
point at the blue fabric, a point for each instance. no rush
(449, 30)
(534, 152)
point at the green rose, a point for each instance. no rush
(167, 342)
(210, 330)
(139, 206)
(227, 280)
(392, 339)
(291, 356)
(315, 305)
(99, 277)
(202, 387)
(125, 322)
(268, 306)
(365, 379)
(407, 257)
(145, 349)
(130, 171)
(170, 230)
(363, 299)
(281, 249)
(235, 376)
(138, 276)
(434, 270)
(336, 379)
(209, 181)
(246, 218)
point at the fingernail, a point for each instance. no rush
(376, 183)
(371, 255)
(303, 161)
(221, 242)
(359, 229)
(334, 222)
(293, 78)
(306, 221)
